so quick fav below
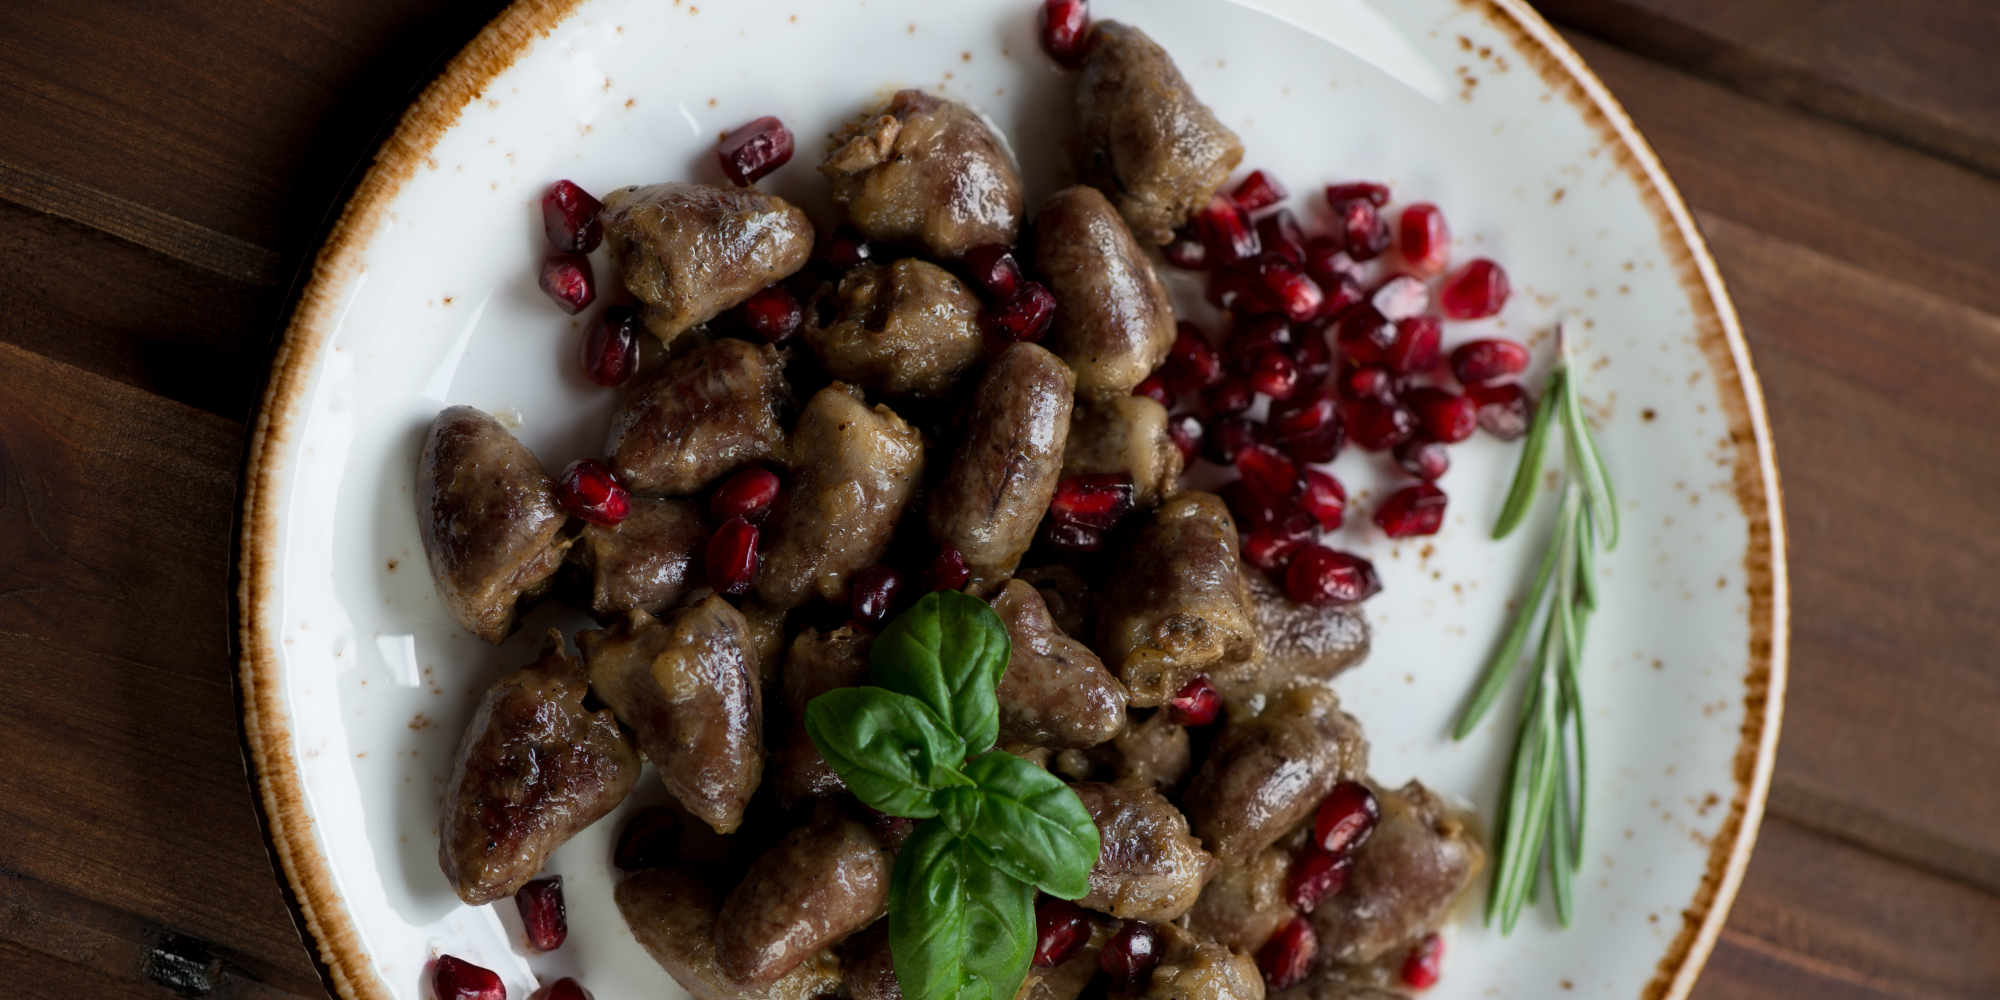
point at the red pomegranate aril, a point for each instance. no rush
(946, 572)
(588, 489)
(1281, 286)
(651, 839)
(1289, 954)
(1259, 190)
(1449, 417)
(1368, 382)
(1196, 704)
(1313, 358)
(1363, 229)
(610, 351)
(1024, 316)
(1424, 964)
(1325, 577)
(1374, 194)
(732, 559)
(1322, 445)
(1400, 297)
(1191, 363)
(1478, 361)
(1270, 474)
(1475, 291)
(1412, 511)
(1424, 239)
(1424, 457)
(873, 594)
(994, 270)
(1415, 349)
(1337, 298)
(1232, 395)
(755, 149)
(1346, 817)
(1064, 28)
(565, 988)
(1185, 250)
(747, 494)
(1070, 539)
(841, 249)
(1129, 957)
(543, 913)
(1061, 930)
(1306, 413)
(454, 978)
(1365, 335)
(1324, 498)
(1186, 432)
(1379, 426)
(1096, 500)
(1227, 437)
(1279, 233)
(1233, 287)
(1327, 262)
(1315, 875)
(1226, 232)
(1271, 546)
(1252, 336)
(569, 218)
(1250, 512)
(566, 278)
(773, 314)
(1274, 375)
(1504, 409)
(1154, 387)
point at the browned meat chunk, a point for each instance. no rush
(870, 970)
(1066, 981)
(1114, 323)
(904, 329)
(649, 561)
(690, 251)
(817, 663)
(855, 470)
(488, 517)
(998, 486)
(672, 913)
(767, 640)
(926, 171)
(1303, 644)
(1125, 434)
(1176, 606)
(1155, 753)
(686, 686)
(1148, 866)
(702, 416)
(1144, 137)
(1266, 774)
(1066, 593)
(1196, 968)
(821, 883)
(1406, 877)
(1244, 904)
(1055, 692)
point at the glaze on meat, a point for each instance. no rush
(1176, 606)
(1267, 773)
(1114, 322)
(904, 329)
(1055, 692)
(672, 913)
(818, 662)
(648, 561)
(487, 515)
(1406, 877)
(1125, 434)
(1303, 644)
(928, 171)
(691, 251)
(699, 417)
(1148, 866)
(822, 882)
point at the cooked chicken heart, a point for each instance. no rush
(1055, 692)
(926, 171)
(648, 561)
(1176, 606)
(1244, 904)
(1148, 866)
(1406, 877)
(822, 882)
(701, 416)
(1114, 322)
(1266, 774)
(1125, 434)
(691, 251)
(904, 329)
(1066, 981)
(817, 663)
(672, 913)
(1303, 644)
(1196, 968)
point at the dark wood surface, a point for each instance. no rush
(166, 168)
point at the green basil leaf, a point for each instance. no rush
(1031, 826)
(927, 915)
(999, 931)
(958, 807)
(890, 749)
(947, 651)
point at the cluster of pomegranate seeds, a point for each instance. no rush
(542, 913)
(747, 494)
(994, 270)
(588, 489)
(1289, 954)
(947, 571)
(754, 150)
(649, 840)
(569, 218)
(1129, 957)
(1314, 875)
(1424, 964)
(1411, 511)
(773, 314)
(874, 595)
(1061, 930)
(731, 562)
(1196, 704)
(1325, 577)
(1424, 239)
(1346, 817)
(610, 353)
(1064, 28)
(567, 278)
(454, 978)
(562, 989)
(1023, 316)
(1474, 291)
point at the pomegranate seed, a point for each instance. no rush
(1313, 358)
(1233, 287)
(1196, 704)
(1425, 963)
(1186, 432)
(1401, 297)
(947, 571)
(1336, 299)
(1071, 539)
(1411, 511)
(1064, 27)
(1425, 239)
(1154, 387)
(1327, 262)
(1253, 336)
(1128, 958)
(873, 595)
(1185, 250)
(565, 988)
(1279, 233)
(457, 979)
(1191, 363)
(1025, 316)
(1232, 395)
(1372, 382)
(1322, 445)
(1416, 346)
(651, 839)
(611, 346)
(567, 279)
(732, 557)
(754, 150)
(1274, 375)
(1323, 577)
(542, 913)
(1475, 291)
(747, 494)
(1270, 474)
(1271, 546)
(1449, 417)
(773, 314)
(1302, 416)
(1278, 285)
(1365, 335)
(1338, 195)
(1096, 500)
(995, 270)
(1424, 457)
(1379, 426)
(1061, 930)
(1288, 956)
(1315, 875)
(589, 489)
(1226, 232)
(842, 249)
(1259, 190)
(1478, 361)
(1250, 512)
(1503, 409)
(1324, 498)
(1363, 229)
(569, 218)
(1227, 437)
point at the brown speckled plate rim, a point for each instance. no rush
(266, 736)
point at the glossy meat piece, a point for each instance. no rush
(999, 483)
(767, 641)
(1196, 968)
(904, 329)
(821, 883)
(691, 251)
(1055, 692)
(926, 171)
(817, 663)
(855, 471)
(1114, 322)
(1065, 592)
(1176, 605)
(1266, 774)
(1142, 135)
(1405, 879)
(869, 969)
(672, 913)
(1244, 904)
(488, 518)
(1154, 753)
(1148, 866)
(703, 415)
(686, 686)
(1125, 434)
(1303, 644)
(533, 769)
(1066, 981)
(648, 561)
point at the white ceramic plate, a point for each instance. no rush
(357, 684)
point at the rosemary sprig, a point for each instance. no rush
(1548, 783)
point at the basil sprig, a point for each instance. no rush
(919, 744)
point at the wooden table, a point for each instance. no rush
(167, 168)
